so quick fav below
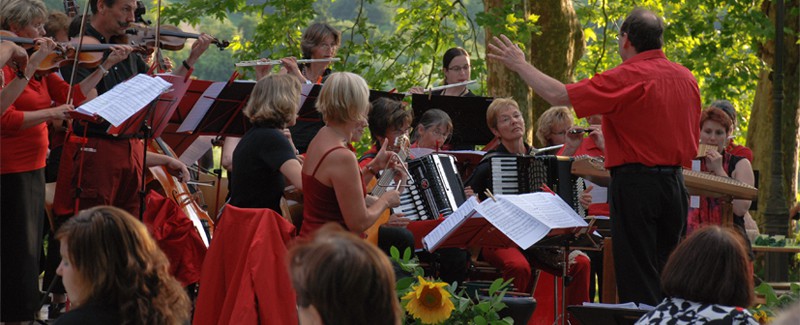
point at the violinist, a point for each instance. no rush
(13, 56)
(22, 161)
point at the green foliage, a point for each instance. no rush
(774, 303)
(468, 310)
(717, 40)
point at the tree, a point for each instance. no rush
(759, 137)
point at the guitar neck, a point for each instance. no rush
(387, 177)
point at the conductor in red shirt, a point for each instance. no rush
(651, 111)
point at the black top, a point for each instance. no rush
(308, 125)
(131, 66)
(91, 313)
(257, 181)
(468, 94)
(480, 179)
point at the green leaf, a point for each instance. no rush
(479, 320)
(394, 253)
(407, 254)
(405, 283)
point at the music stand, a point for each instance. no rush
(375, 94)
(224, 116)
(609, 316)
(180, 141)
(467, 113)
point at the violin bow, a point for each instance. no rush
(77, 52)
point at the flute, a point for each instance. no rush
(275, 62)
(458, 84)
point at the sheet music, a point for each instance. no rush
(201, 107)
(125, 99)
(527, 218)
(599, 193)
(437, 235)
(197, 149)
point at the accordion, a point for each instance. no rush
(435, 189)
(514, 174)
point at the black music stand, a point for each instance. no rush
(225, 116)
(375, 94)
(468, 115)
(606, 315)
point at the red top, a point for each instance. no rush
(650, 107)
(740, 151)
(320, 203)
(26, 150)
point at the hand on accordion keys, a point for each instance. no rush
(397, 220)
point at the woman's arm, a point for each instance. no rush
(743, 173)
(32, 118)
(227, 152)
(342, 168)
(291, 169)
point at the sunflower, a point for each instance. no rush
(429, 302)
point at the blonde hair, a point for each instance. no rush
(497, 105)
(56, 21)
(348, 280)
(119, 264)
(549, 119)
(21, 12)
(274, 100)
(344, 98)
(316, 34)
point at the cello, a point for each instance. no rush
(172, 188)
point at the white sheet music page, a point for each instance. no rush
(201, 106)
(465, 211)
(527, 218)
(125, 99)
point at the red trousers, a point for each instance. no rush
(112, 171)
(513, 264)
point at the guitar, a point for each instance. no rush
(386, 180)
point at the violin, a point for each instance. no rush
(171, 37)
(65, 53)
(176, 190)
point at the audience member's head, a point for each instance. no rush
(553, 125)
(433, 129)
(344, 99)
(711, 266)
(109, 259)
(273, 102)
(341, 279)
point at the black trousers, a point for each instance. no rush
(22, 196)
(648, 218)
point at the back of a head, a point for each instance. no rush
(121, 265)
(273, 102)
(344, 98)
(711, 266)
(346, 279)
(386, 113)
(644, 29)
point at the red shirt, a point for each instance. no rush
(26, 150)
(740, 151)
(650, 107)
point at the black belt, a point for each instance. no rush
(642, 169)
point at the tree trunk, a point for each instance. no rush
(759, 134)
(555, 51)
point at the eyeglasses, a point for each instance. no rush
(458, 69)
(328, 46)
(618, 29)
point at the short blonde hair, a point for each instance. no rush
(274, 101)
(344, 98)
(21, 12)
(549, 119)
(497, 105)
(56, 21)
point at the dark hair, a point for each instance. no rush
(645, 30)
(316, 34)
(451, 54)
(433, 118)
(727, 107)
(711, 266)
(386, 113)
(93, 4)
(717, 115)
(118, 263)
(348, 280)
